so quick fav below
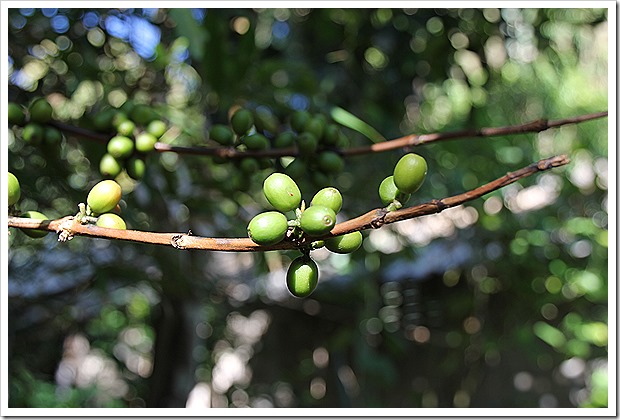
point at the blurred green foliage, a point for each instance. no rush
(499, 303)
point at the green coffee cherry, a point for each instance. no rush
(35, 233)
(330, 162)
(135, 168)
(16, 114)
(40, 111)
(145, 142)
(268, 228)
(118, 118)
(249, 165)
(241, 121)
(222, 134)
(104, 196)
(109, 167)
(264, 120)
(256, 142)
(33, 133)
(299, 120)
(302, 276)
(157, 128)
(388, 192)
(409, 173)
(328, 197)
(316, 126)
(120, 147)
(14, 190)
(317, 220)
(143, 115)
(332, 132)
(126, 128)
(344, 244)
(52, 135)
(111, 221)
(284, 139)
(103, 120)
(282, 192)
(307, 143)
(296, 168)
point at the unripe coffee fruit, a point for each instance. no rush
(307, 143)
(299, 120)
(126, 128)
(120, 147)
(256, 142)
(35, 233)
(409, 173)
(104, 196)
(330, 162)
(157, 128)
(16, 114)
(135, 168)
(40, 111)
(111, 221)
(109, 167)
(145, 142)
(317, 220)
(268, 228)
(344, 244)
(14, 190)
(296, 168)
(33, 133)
(282, 192)
(222, 134)
(302, 276)
(328, 197)
(241, 121)
(388, 192)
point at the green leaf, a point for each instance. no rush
(345, 118)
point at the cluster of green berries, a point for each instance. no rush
(271, 227)
(136, 129)
(316, 138)
(34, 121)
(14, 196)
(409, 174)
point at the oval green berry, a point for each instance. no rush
(316, 126)
(330, 162)
(14, 190)
(111, 221)
(143, 114)
(241, 121)
(33, 133)
(307, 143)
(125, 128)
(35, 233)
(296, 168)
(103, 120)
(344, 244)
(222, 134)
(40, 111)
(268, 228)
(299, 120)
(264, 120)
(256, 142)
(328, 197)
(285, 139)
(317, 220)
(52, 135)
(145, 142)
(16, 114)
(120, 147)
(104, 196)
(109, 167)
(282, 192)
(388, 192)
(157, 128)
(135, 168)
(409, 173)
(302, 276)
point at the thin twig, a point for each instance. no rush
(68, 227)
(401, 142)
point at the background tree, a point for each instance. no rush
(501, 302)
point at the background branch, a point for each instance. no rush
(401, 142)
(68, 226)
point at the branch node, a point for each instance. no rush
(379, 219)
(439, 204)
(177, 241)
(64, 230)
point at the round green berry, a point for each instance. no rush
(317, 220)
(143, 115)
(328, 197)
(316, 126)
(16, 114)
(109, 167)
(35, 233)
(299, 120)
(256, 142)
(111, 221)
(52, 135)
(241, 121)
(268, 228)
(222, 134)
(157, 128)
(14, 190)
(249, 165)
(284, 139)
(33, 133)
(409, 173)
(103, 120)
(135, 168)
(331, 135)
(296, 168)
(40, 111)
(104, 196)
(281, 192)
(120, 147)
(330, 162)
(145, 142)
(307, 143)
(344, 244)
(388, 192)
(125, 128)
(302, 276)
(264, 120)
